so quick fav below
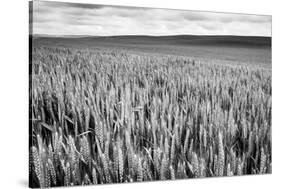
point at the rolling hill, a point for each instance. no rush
(231, 48)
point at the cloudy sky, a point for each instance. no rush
(55, 18)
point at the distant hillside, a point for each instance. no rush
(256, 50)
(239, 41)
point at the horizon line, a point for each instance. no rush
(139, 35)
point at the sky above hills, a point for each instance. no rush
(54, 18)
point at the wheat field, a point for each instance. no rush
(108, 116)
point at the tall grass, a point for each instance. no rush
(108, 117)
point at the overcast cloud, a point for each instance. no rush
(55, 18)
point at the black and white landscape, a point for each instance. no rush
(128, 94)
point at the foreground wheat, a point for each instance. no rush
(107, 117)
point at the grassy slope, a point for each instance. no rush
(115, 117)
(246, 49)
